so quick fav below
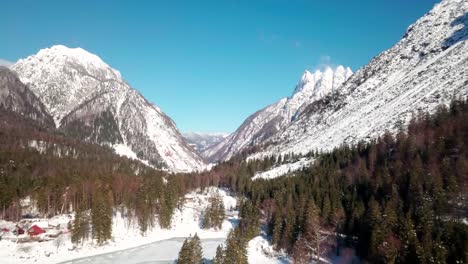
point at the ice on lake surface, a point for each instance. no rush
(165, 251)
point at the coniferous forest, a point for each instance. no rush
(397, 199)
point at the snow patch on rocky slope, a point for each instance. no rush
(283, 169)
(427, 68)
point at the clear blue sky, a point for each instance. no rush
(210, 64)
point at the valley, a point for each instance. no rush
(365, 165)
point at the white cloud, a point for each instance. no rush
(5, 63)
(324, 62)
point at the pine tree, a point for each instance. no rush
(197, 252)
(185, 253)
(101, 217)
(277, 228)
(249, 225)
(236, 252)
(215, 213)
(326, 208)
(220, 255)
(191, 251)
(80, 229)
(220, 212)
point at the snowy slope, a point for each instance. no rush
(283, 169)
(428, 67)
(16, 97)
(91, 101)
(260, 251)
(262, 125)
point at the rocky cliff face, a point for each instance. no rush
(16, 97)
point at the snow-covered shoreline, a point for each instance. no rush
(127, 239)
(185, 223)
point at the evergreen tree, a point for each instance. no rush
(185, 253)
(277, 228)
(249, 225)
(236, 252)
(220, 255)
(191, 251)
(197, 252)
(215, 212)
(101, 218)
(80, 228)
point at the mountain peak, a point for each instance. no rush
(320, 82)
(65, 77)
(63, 55)
(90, 101)
(307, 76)
(260, 126)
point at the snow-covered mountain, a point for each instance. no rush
(426, 68)
(262, 125)
(16, 97)
(202, 141)
(91, 101)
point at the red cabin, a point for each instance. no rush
(20, 231)
(35, 231)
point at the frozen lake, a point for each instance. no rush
(164, 251)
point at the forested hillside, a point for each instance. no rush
(65, 175)
(397, 199)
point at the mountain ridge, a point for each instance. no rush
(263, 124)
(426, 68)
(91, 101)
(18, 98)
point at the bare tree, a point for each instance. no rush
(58, 242)
(315, 234)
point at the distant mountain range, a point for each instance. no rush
(201, 141)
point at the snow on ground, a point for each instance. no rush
(164, 251)
(260, 251)
(125, 151)
(126, 234)
(283, 169)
